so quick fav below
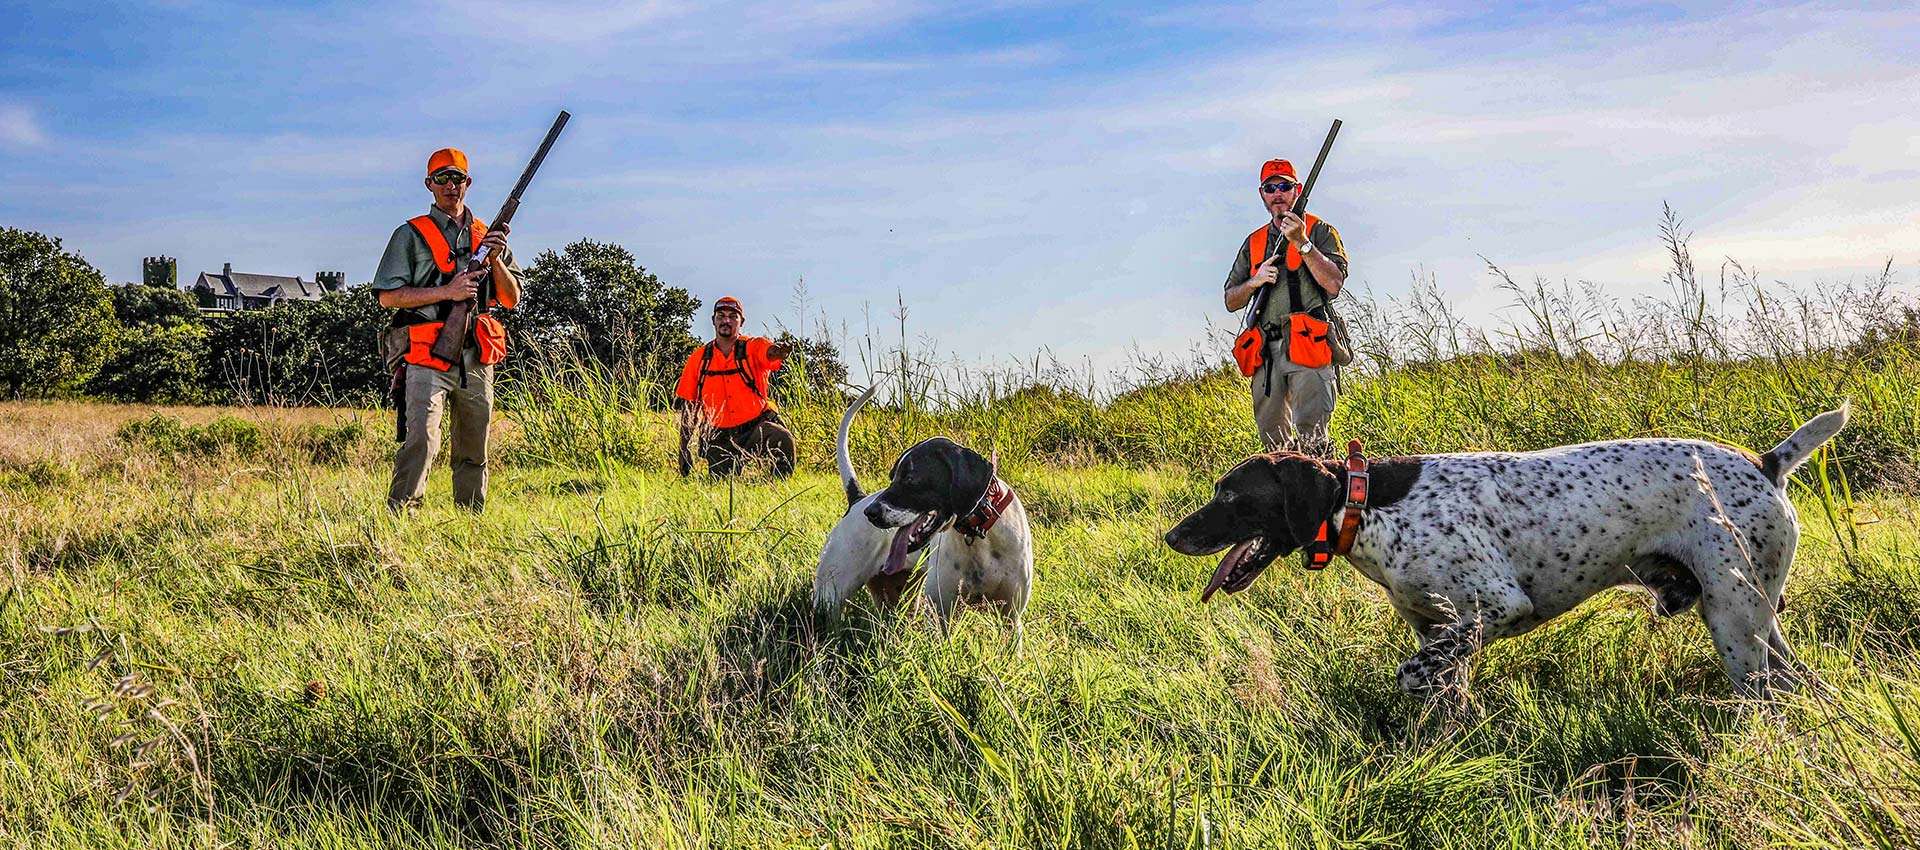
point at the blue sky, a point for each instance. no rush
(1028, 176)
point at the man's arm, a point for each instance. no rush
(1245, 281)
(1328, 272)
(463, 286)
(506, 272)
(778, 350)
(395, 271)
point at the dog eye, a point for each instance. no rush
(1226, 495)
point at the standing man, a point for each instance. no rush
(722, 394)
(417, 279)
(1303, 258)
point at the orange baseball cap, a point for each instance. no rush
(1278, 168)
(728, 302)
(447, 158)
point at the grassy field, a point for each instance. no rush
(213, 634)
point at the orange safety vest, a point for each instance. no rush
(437, 241)
(1307, 343)
(743, 400)
(488, 333)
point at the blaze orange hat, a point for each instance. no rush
(728, 301)
(447, 158)
(1278, 168)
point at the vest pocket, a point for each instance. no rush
(491, 337)
(1250, 350)
(1307, 341)
(420, 346)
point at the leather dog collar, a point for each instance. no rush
(987, 511)
(1320, 552)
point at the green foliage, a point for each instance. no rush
(300, 352)
(333, 445)
(813, 370)
(595, 299)
(168, 436)
(56, 319)
(160, 349)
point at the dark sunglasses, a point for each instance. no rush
(445, 177)
(1277, 186)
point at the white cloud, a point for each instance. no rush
(19, 127)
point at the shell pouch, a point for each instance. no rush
(1250, 350)
(420, 346)
(1307, 341)
(491, 337)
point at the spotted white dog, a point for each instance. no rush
(939, 494)
(1473, 547)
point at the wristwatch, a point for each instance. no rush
(1306, 247)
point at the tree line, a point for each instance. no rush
(64, 331)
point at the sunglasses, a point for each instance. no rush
(1277, 186)
(446, 177)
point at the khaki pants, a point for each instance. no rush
(1297, 412)
(430, 394)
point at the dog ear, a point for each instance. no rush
(972, 475)
(1308, 493)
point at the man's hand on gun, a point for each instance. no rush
(465, 286)
(1293, 227)
(496, 243)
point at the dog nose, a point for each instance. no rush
(874, 515)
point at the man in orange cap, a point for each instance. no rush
(419, 279)
(722, 394)
(1302, 256)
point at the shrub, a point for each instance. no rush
(168, 436)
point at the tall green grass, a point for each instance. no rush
(238, 646)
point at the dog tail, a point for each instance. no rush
(840, 455)
(1780, 461)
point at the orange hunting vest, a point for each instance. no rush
(488, 333)
(443, 253)
(1307, 343)
(1257, 245)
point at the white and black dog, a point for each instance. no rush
(1472, 547)
(939, 494)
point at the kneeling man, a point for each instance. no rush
(722, 395)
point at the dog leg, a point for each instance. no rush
(1440, 667)
(1446, 650)
(942, 589)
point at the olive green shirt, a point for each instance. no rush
(1325, 239)
(409, 262)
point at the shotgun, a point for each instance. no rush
(451, 342)
(1259, 301)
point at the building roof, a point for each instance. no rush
(268, 286)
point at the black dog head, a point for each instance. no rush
(1266, 508)
(936, 476)
(931, 485)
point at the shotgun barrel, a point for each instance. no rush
(451, 342)
(1275, 246)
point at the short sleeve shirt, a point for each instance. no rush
(1325, 239)
(726, 396)
(409, 262)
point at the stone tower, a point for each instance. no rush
(163, 272)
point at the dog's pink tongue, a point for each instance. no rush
(897, 553)
(1225, 571)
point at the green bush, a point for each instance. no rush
(166, 435)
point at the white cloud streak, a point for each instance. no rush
(19, 127)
